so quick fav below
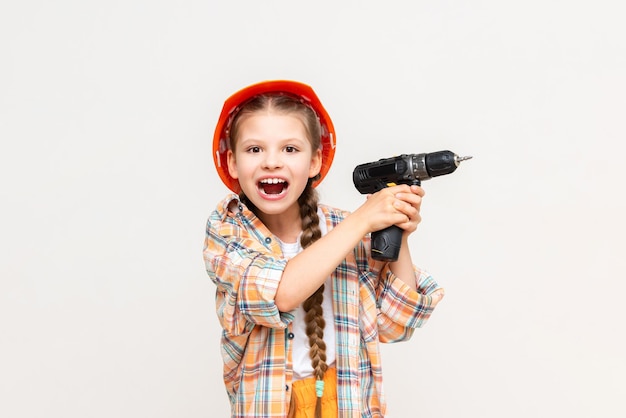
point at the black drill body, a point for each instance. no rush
(409, 169)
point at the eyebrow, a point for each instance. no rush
(283, 141)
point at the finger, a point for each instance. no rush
(412, 198)
(410, 209)
(409, 225)
(399, 188)
(405, 188)
(418, 190)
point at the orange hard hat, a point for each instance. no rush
(232, 106)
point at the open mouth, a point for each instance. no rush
(274, 186)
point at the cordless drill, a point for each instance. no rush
(404, 169)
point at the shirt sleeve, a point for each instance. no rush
(246, 274)
(401, 309)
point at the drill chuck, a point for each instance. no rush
(441, 162)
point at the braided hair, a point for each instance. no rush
(314, 318)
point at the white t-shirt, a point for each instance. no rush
(301, 361)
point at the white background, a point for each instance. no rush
(107, 111)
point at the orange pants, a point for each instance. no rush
(303, 397)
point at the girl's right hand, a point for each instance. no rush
(385, 208)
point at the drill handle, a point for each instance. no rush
(386, 243)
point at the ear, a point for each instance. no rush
(316, 163)
(232, 166)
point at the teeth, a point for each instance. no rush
(272, 181)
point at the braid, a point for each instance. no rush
(313, 318)
(308, 212)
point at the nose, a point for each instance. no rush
(272, 160)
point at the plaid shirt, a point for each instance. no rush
(371, 304)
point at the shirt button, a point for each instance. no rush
(240, 207)
(290, 335)
(268, 240)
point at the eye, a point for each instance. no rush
(290, 148)
(254, 149)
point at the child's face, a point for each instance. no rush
(273, 161)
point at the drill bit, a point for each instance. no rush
(458, 159)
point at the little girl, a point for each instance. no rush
(302, 304)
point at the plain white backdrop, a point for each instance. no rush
(107, 111)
